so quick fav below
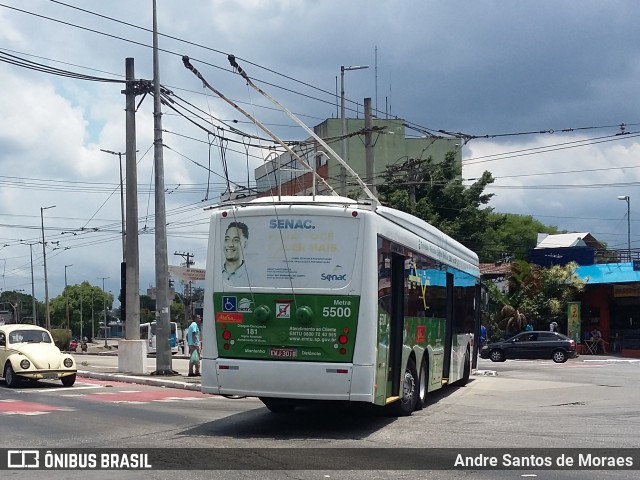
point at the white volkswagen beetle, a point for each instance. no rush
(28, 352)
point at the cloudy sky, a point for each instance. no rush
(542, 88)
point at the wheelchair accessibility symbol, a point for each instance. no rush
(229, 304)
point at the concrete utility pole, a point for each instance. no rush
(132, 269)
(163, 346)
(132, 351)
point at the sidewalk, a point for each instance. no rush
(101, 363)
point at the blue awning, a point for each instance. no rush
(608, 273)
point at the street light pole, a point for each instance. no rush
(66, 296)
(104, 305)
(33, 294)
(119, 154)
(343, 173)
(628, 199)
(44, 257)
(123, 265)
(81, 335)
(93, 329)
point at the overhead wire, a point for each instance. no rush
(476, 136)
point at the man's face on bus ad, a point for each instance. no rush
(234, 243)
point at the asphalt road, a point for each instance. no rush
(585, 403)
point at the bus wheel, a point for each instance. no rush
(467, 369)
(278, 405)
(408, 392)
(422, 386)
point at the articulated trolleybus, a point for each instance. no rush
(334, 299)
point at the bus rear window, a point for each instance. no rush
(288, 250)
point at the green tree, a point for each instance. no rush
(515, 236)
(535, 295)
(147, 309)
(92, 299)
(555, 286)
(19, 306)
(434, 192)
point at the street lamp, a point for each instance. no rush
(628, 199)
(33, 294)
(343, 173)
(66, 296)
(123, 266)
(104, 305)
(119, 154)
(44, 257)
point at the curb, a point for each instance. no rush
(143, 380)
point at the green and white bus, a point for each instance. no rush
(333, 299)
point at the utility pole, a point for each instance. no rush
(368, 147)
(187, 313)
(163, 352)
(132, 267)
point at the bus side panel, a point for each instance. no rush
(460, 345)
(301, 380)
(464, 317)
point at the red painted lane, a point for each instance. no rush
(95, 381)
(19, 407)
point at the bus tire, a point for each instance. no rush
(278, 405)
(423, 380)
(408, 392)
(467, 369)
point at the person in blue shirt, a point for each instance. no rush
(193, 340)
(483, 335)
(529, 327)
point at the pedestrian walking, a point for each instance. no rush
(193, 340)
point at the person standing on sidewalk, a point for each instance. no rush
(193, 340)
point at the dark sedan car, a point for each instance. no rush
(543, 344)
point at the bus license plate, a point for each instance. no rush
(283, 352)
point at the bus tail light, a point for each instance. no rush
(343, 339)
(226, 334)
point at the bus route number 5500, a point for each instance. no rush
(336, 312)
